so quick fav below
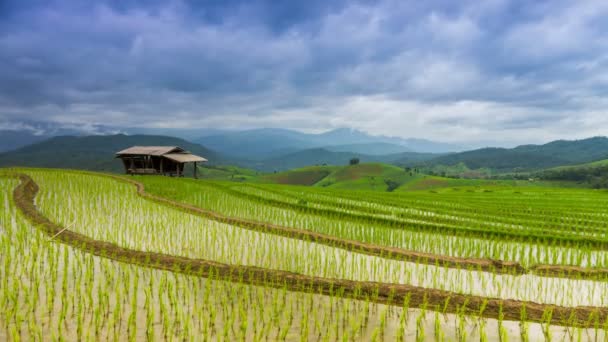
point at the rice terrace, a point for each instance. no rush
(89, 256)
(304, 170)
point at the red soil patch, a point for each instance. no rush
(308, 177)
(429, 183)
(355, 172)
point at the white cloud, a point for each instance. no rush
(561, 28)
(461, 71)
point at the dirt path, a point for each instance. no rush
(393, 294)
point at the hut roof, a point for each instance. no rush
(184, 157)
(151, 150)
(174, 153)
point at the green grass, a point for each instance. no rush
(459, 170)
(436, 183)
(302, 176)
(364, 177)
(368, 176)
(598, 163)
(233, 173)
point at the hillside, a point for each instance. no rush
(594, 174)
(226, 172)
(525, 157)
(92, 152)
(321, 156)
(14, 135)
(12, 139)
(384, 178)
(365, 176)
(594, 164)
(369, 176)
(303, 176)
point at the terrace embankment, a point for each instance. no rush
(392, 294)
(486, 265)
(572, 272)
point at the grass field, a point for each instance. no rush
(367, 176)
(305, 176)
(599, 163)
(377, 177)
(370, 176)
(90, 257)
(232, 173)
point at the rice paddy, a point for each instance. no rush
(54, 287)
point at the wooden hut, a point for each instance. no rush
(161, 160)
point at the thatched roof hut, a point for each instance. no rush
(163, 160)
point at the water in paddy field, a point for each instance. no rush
(146, 303)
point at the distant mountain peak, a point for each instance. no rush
(345, 131)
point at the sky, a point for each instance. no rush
(506, 72)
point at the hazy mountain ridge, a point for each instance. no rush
(260, 144)
(14, 135)
(528, 157)
(13, 139)
(322, 156)
(376, 149)
(256, 144)
(96, 152)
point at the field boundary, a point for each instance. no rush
(392, 294)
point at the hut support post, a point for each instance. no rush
(161, 166)
(195, 177)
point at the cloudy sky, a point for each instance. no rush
(501, 71)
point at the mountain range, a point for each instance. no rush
(266, 143)
(271, 150)
(14, 135)
(322, 156)
(256, 144)
(96, 152)
(527, 157)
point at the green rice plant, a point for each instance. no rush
(95, 298)
(224, 199)
(151, 227)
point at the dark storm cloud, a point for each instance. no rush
(440, 69)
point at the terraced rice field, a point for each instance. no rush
(97, 257)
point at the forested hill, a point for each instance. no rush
(93, 152)
(529, 157)
(321, 156)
